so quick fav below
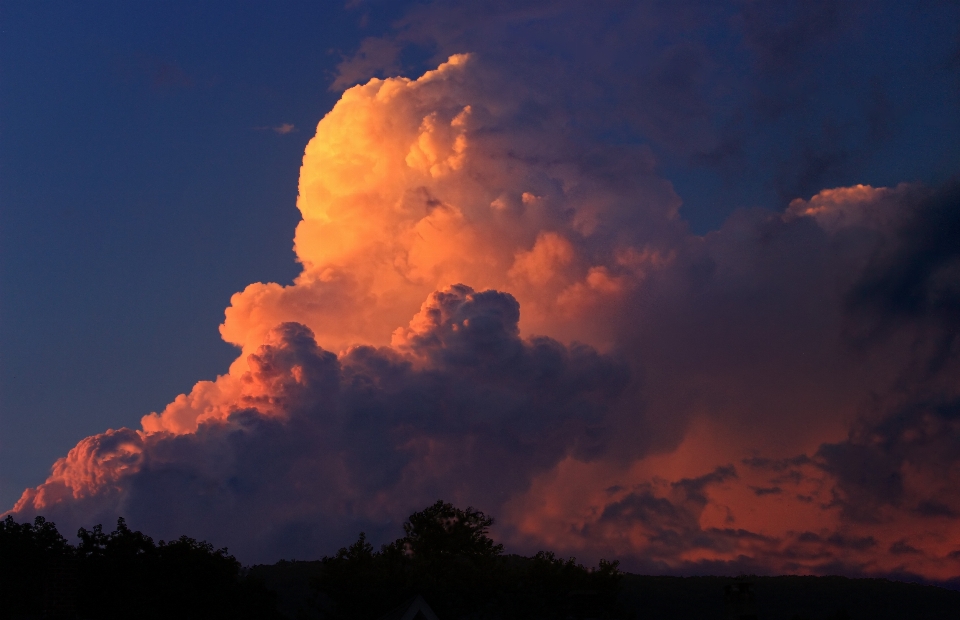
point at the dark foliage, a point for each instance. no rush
(121, 574)
(292, 581)
(28, 552)
(447, 557)
(549, 587)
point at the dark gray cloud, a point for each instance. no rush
(319, 447)
(757, 101)
(922, 438)
(774, 331)
(749, 327)
(672, 522)
(909, 290)
(914, 282)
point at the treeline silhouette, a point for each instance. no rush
(445, 555)
(121, 574)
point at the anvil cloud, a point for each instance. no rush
(497, 310)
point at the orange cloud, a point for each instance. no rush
(404, 189)
(778, 395)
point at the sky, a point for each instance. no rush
(676, 283)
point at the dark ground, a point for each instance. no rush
(789, 597)
(695, 598)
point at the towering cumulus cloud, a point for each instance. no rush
(413, 185)
(498, 310)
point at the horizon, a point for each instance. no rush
(905, 578)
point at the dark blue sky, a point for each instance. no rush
(138, 193)
(142, 179)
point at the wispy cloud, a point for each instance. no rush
(282, 129)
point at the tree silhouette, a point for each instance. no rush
(121, 574)
(124, 570)
(447, 556)
(444, 531)
(27, 552)
(551, 587)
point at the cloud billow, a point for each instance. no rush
(316, 443)
(777, 395)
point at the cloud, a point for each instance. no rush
(312, 442)
(782, 33)
(752, 102)
(374, 57)
(914, 282)
(161, 74)
(751, 351)
(577, 363)
(281, 129)
(412, 185)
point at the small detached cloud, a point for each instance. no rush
(281, 129)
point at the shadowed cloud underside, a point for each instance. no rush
(778, 395)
